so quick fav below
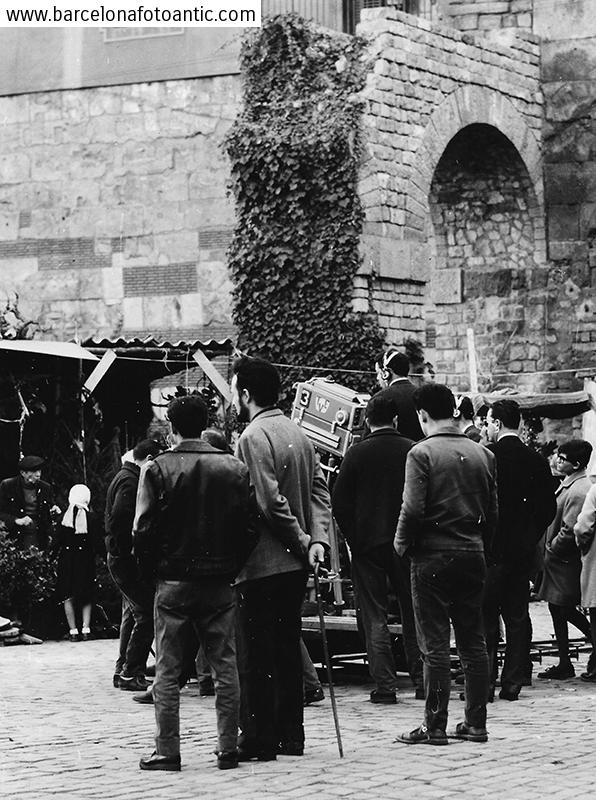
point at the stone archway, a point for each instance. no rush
(482, 227)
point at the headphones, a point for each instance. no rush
(456, 411)
(387, 356)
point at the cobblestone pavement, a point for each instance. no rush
(67, 733)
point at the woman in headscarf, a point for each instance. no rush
(76, 563)
(560, 585)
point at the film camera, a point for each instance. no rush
(332, 416)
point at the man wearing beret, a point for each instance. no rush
(27, 506)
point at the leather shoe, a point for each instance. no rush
(256, 755)
(468, 733)
(423, 735)
(145, 698)
(157, 762)
(557, 672)
(227, 760)
(116, 680)
(383, 698)
(136, 683)
(588, 677)
(510, 692)
(313, 696)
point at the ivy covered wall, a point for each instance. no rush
(295, 150)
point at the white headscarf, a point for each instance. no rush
(78, 497)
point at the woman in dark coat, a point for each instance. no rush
(76, 562)
(560, 585)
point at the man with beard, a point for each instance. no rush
(294, 514)
(27, 506)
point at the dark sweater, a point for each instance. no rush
(120, 510)
(368, 490)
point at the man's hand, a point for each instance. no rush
(316, 553)
(55, 510)
(24, 522)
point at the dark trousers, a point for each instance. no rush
(126, 625)
(370, 571)
(139, 597)
(270, 662)
(208, 606)
(449, 587)
(507, 594)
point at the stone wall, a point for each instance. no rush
(462, 229)
(489, 15)
(569, 81)
(113, 210)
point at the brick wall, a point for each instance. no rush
(113, 209)
(458, 238)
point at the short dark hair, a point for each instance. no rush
(146, 447)
(578, 451)
(507, 411)
(188, 415)
(397, 362)
(436, 399)
(260, 378)
(466, 408)
(215, 438)
(381, 409)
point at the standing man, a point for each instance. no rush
(192, 524)
(366, 503)
(137, 595)
(392, 370)
(464, 414)
(448, 517)
(27, 505)
(527, 506)
(294, 514)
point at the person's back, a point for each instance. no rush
(449, 511)
(526, 501)
(367, 495)
(204, 513)
(453, 480)
(278, 454)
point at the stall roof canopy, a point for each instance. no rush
(554, 405)
(56, 349)
(157, 349)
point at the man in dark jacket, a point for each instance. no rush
(294, 516)
(27, 505)
(392, 369)
(136, 627)
(527, 505)
(192, 524)
(447, 520)
(366, 503)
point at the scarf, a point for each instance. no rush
(78, 501)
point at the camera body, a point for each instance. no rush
(331, 415)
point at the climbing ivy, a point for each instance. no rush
(295, 150)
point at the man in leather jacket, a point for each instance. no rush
(192, 526)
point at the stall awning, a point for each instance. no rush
(151, 348)
(39, 347)
(552, 405)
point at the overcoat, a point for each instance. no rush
(585, 530)
(562, 562)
